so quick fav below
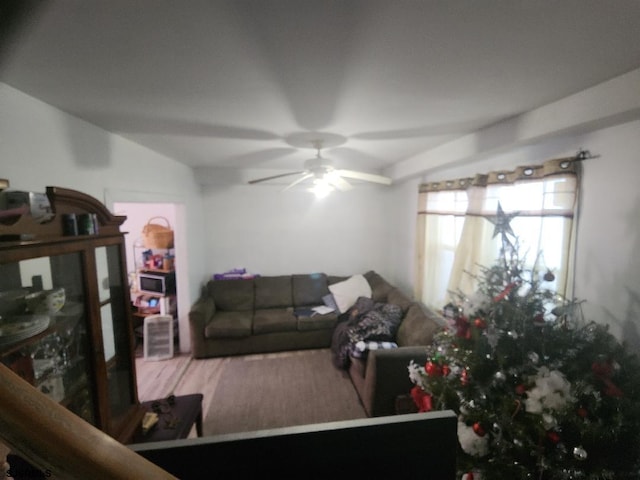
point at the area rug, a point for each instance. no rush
(257, 393)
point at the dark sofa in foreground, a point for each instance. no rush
(420, 445)
(270, 314)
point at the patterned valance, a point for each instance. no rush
(548, 168)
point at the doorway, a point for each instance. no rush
(141, 259)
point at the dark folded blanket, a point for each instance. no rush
(365, 321)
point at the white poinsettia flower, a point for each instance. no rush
(472, 443)
(552, 391)
(416, 374)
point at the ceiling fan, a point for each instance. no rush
(325, 176)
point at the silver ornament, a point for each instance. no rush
(534, 357)
(500, 376)
(580, 453)
(513, 334)
(549, 421)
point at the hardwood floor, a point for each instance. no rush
(179, 375)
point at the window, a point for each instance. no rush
(456, 227)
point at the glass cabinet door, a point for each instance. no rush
(43, 329)
(116, 336)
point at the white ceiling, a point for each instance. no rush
(246, 83)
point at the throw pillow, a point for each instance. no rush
(330, 302)
(347, 292)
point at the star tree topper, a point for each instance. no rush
(502, 227)
(502, 222)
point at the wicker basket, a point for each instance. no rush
(157, 236)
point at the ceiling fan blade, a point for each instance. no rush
(338, 182)
(367, 177)
(301, 179)
(258, 180)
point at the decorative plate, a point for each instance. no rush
(22, 327)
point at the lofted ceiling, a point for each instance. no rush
(248, 84)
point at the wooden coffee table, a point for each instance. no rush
(176, 416)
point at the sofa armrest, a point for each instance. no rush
(199, 316)
(387, 376)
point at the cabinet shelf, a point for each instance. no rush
(156, 270)
(65, 319)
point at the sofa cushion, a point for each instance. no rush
(274, 320)
(380, 288)
(330, 302)
(308, 290)
(232, 295)
(317, 322)
(418, 326)
(346, 293)
(358, 366)
(273, 292)
(396, 297)
(229, 325)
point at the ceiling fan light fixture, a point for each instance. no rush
(322, 170)
(330, 176)
(321, 188)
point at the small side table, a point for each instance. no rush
(176, 417)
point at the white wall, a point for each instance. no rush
(403, 203)
(270, 232)
(608, 258)
(607, 262)
(41, 146)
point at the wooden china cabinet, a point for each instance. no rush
(81, 355)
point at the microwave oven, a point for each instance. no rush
(157, 283)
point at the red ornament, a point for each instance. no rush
(477, 428)
(469, 476)
(521, 389)
(464, 377)
(446, 370)
(422, 399)
(553, 437)
(433, 369)
(538, 320)
(612, 390)
(480, 323)
(602, 369)
(463, 328)
(603, 372)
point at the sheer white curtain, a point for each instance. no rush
(441, 216)
(457, 232)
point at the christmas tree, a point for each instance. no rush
(539, 392)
